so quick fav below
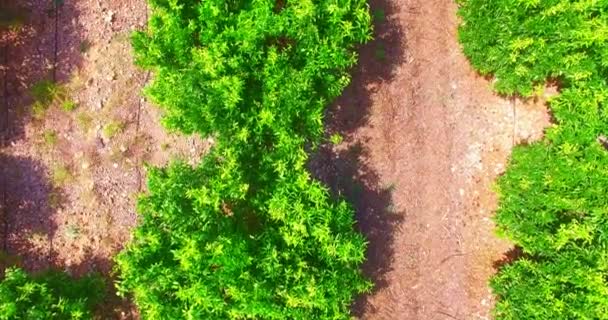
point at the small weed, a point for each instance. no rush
(117, 155)
(72, 232)
(61, 175)
(391, 209)
(38, 110)
(69, 105)
(112, 129)
(336, 138)
(55, 199)
(85, 121)
(390, 187)
(165, 146)
(85, 45)
(50, 138)
(45, 91)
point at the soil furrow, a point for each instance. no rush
(436, 137)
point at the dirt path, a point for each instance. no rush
(425, 139)
(69, 178)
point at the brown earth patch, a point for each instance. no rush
(424, 140)
(69, 178)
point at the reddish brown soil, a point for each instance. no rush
(425, 138)
(77, 223)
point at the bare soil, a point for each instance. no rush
(69, 179)
(424, 140)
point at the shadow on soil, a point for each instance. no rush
(39, 40)
(27, 206)
(509, 258)
(27, 197)
(26, 211)
(345, 170)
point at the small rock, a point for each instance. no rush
(99, 143)
(115, 165)
(122, 148)
(109, 18)
(461, 191)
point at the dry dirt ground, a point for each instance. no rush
(424, 139)
(69, 179)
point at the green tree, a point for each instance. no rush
(553, 196)
(247, 234)
(51, 295)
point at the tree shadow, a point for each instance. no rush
(345, 170)
(510, 257)
(41, 40)
(26, 212)
(111, 305)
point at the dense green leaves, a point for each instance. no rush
(51, 295)
(247, 234)
(553, 197)
(524, 42)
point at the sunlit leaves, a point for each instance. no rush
(247, 234)
(52, 295)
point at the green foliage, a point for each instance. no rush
(336, 138)
(50, 138)
(247, 234)
(69, 105)
(112, 129)
(47, 93)
(524, 42)
(84, 121)
(61, 175)
(52, 295)
(553, 197)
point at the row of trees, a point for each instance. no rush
(247, 234)
(553, 196)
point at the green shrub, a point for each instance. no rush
(553, 196)
(51, 295)
(50, 138)
(525, 42)
(69, 105)
(247, 234)
(111, 129)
